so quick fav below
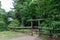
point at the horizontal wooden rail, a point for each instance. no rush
(35, 28)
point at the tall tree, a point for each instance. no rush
(3, 18)
(49, 10)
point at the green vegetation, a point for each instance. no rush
(14, 23)
(10, 34)
(49, 10)
(5, 34)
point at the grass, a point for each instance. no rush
(4, 34)
(9, 34)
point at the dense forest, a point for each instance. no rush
(49, 10)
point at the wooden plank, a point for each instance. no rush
(31, 28)
(22, 27)
(35, 19)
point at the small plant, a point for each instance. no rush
(2, 25)
(14, 23)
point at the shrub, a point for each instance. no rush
(2, 25)
(14, 23)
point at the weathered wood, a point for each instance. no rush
(35, 19)
(35, 28)
(39, 26)
(31, 28)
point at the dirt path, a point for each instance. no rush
(24, 37)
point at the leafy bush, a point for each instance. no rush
(53, 26)
(14, 23)
(56, 35)
(2, 25)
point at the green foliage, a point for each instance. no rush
(2, 23)
(3, 19)
(14, 23)
(49, 10)
(11, 14)
(9, 34)
(56, 35)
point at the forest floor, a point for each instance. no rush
(20, 36)
(25, 37)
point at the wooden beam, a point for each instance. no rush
(35, 19)
(32, 28)
(39, 26)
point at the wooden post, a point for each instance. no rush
(39, 26)
(38, 23)
(31, 27)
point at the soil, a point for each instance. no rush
(24, 37)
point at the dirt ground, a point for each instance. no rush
(24, 37)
